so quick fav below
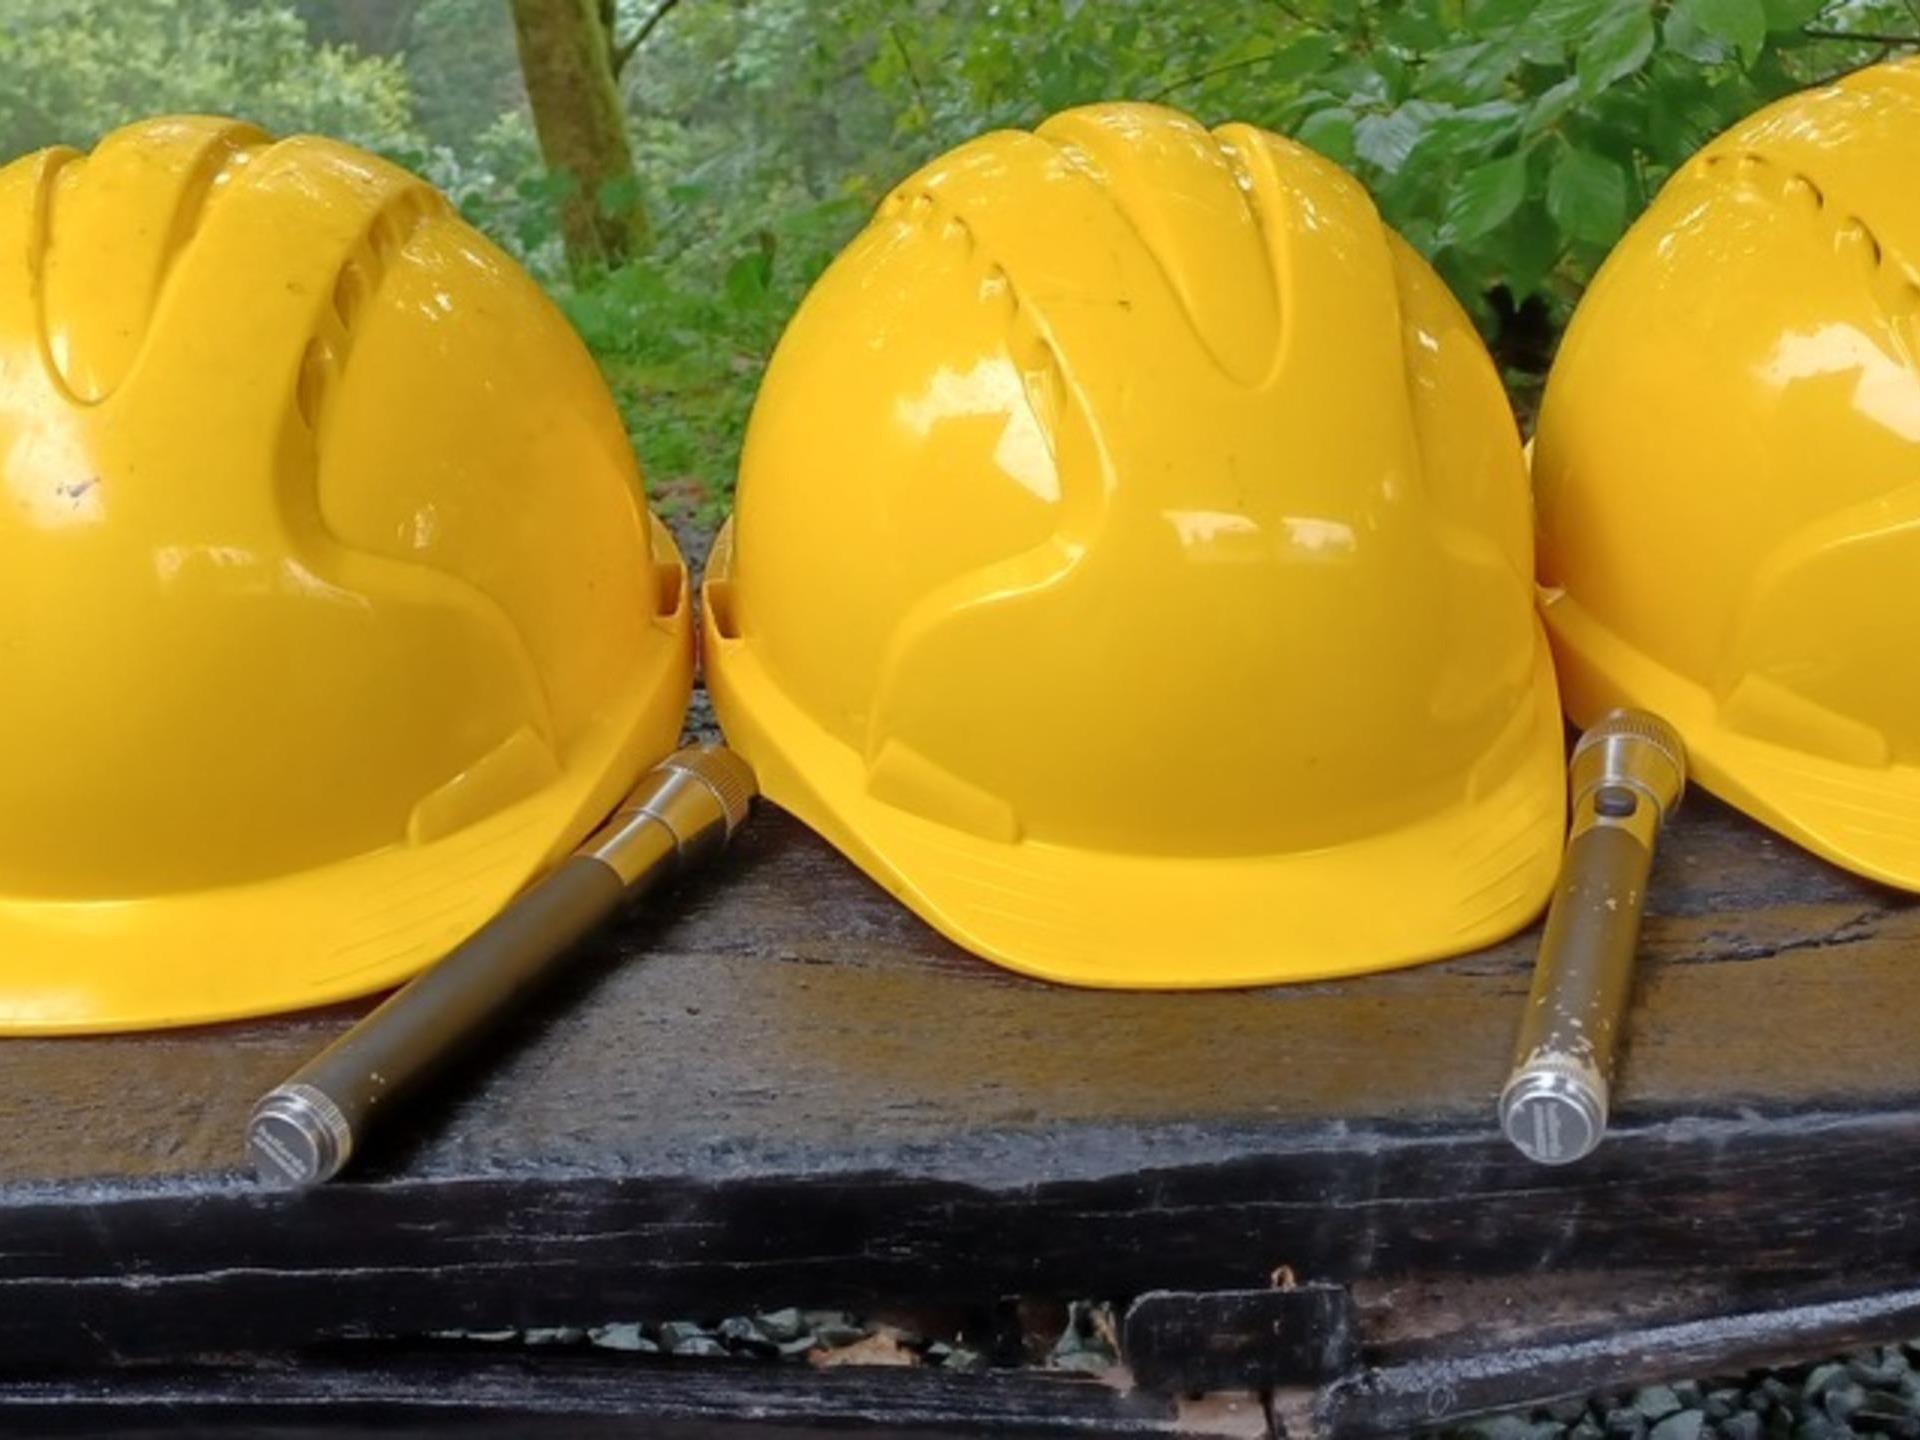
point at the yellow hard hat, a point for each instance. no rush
(1728, 472)
(1132, 570)
(332, 610)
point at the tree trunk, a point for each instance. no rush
(566, 56)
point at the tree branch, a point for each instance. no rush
(625, 52)
(913, 75)
(1862, 37)
(1199, 75)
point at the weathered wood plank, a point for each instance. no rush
(1409, 1388)
(788, 1014)
(583, 1399)
(787, 1089)
(1191, 1342)
(177, 1274)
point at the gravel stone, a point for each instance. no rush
(1886, 1414)
(1821, 1378)
(1501, 1427)
(704, 1346)
(1656, 1402)
(781, 1326)
(1083, 1335)
(834, 1327)
(676, 1333)
(1843, 1399)
(1681, 1425)
(1625, 1424)
(1744, 1426)
(622, 1337)
(1587, 1428)
(742, 1336)
(556, 1335)
(1882, 1367)
(1567, 1412)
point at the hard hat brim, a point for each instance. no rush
(343, 931)
(1458, 879)
(1863, 818)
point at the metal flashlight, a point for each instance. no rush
(680, 814)
(1627, 774)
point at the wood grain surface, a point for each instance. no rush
(777, 1086)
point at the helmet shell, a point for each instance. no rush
(1131, 568)
(332, 609)
(1728, 472)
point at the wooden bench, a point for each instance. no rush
(777, 1087)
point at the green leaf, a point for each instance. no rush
(1494, 17)
(1302, 57)
(1683, 36)
(1567, 18)
(1619, 45)
(1417, 27)
(1741, 23)
(1386, 140)
(1788, 15)
(1330, 132)
(1470, 132)
(1485, 196)
(1530, 248)
(1469, 72)
(619, 196)
(748, 278)
(1587, 196)
(1550, 105)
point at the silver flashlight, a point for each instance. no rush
(1626, 776)
(686, 808)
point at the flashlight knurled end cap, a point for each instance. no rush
(1641, 724)
(724, 773)
(1648, 729)
(297, 1136)
(1553, 1114)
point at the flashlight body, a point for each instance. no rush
(1571, 1028)
(303, 1131)
(1627, 773)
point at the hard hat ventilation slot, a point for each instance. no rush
(1851, 234)
(1854, 231)
(1808, 186)
(720, 608)
(349, 291)
(316, 372)
(668, 585)
(362, 271)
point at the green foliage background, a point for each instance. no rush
(1510, 140)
